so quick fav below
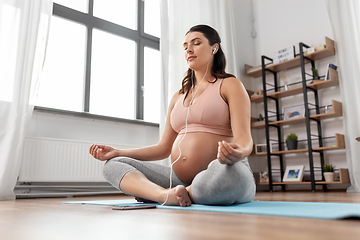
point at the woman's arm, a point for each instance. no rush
(233, 91)
(156, 152)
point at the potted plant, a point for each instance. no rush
(315, 73)
(291, 141)
(261, 117)
(329, 173)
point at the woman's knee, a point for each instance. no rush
(114, 170)
(224, 185)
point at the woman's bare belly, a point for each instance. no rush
(197, 151)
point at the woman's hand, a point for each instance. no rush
(103, 152)
(229, 153)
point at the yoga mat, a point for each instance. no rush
(272, 208)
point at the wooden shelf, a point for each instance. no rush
(316, 85)
(336, 112)
(328, 51)
(339, 144)
(343, 178)
(298, 88)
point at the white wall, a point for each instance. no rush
(281, 23)
(245, 44)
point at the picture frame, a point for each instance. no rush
(261, 148)
(294, 173)
(294, 112)
(284, 54)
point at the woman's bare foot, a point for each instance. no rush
(178, 196)
(182, 196)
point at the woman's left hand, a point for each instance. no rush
(229, 153)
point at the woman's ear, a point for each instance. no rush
(215, 48)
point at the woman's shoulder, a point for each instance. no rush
(232, 82)
(231, 86)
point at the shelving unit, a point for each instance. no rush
(299, 61)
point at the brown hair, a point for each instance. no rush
(219, 64)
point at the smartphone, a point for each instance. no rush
(134, 207)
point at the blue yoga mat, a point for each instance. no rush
(273, 208)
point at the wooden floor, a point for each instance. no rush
(42, 219)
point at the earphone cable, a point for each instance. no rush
(186, 120)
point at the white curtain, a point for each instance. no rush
(24, 27)
(177, 17)
(345, 21)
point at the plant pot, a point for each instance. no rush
(291, 144)
(329, 176)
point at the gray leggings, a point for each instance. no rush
(219, 184)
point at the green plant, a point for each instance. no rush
(315, 72)
(260, 117)
(291, 136)
(328, 168)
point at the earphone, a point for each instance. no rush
(186, 120)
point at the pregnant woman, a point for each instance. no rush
(207, 134)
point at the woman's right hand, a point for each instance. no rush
(103, 152)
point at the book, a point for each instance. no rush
(330, 65)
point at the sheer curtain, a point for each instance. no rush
(177, 16)
(24, 26)
(345, 20)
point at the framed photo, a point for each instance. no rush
(294, 173)
(294, 112)
(264, 177)
(261, 148)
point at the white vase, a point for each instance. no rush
(329, 176)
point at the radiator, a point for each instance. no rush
(54, 160)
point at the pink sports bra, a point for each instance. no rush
(208, 113)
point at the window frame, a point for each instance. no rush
(141, 38)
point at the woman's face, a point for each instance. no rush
(197, 51)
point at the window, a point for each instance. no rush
(113, 79)
(152, 85)
(122, 12)
(152, 17)
(79, 5)
(103, 58)
(62, 79)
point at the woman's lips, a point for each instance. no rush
(191, 58)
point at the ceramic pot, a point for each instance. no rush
(291, 144)
(329, 176)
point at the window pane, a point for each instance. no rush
(152, 17)
(122, 12)
(112, 90)
(152, 85)
(62, 80)
(80, 5)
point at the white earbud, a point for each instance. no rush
(213, 52)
